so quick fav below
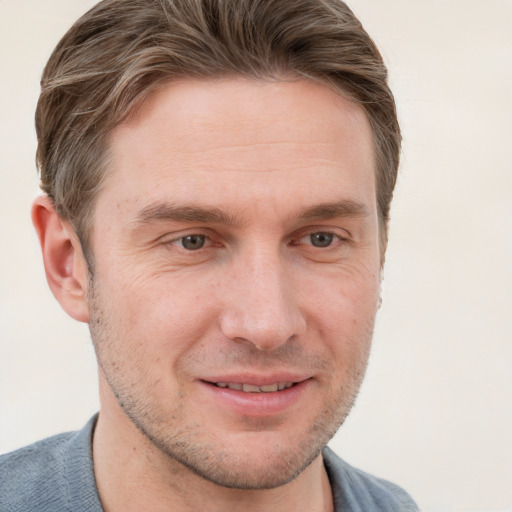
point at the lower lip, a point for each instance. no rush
(257, 404)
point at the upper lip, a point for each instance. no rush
(257, 379)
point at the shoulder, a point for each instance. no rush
(357, 491)
(48, 475)
(32, 472)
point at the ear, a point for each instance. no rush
(64, 263)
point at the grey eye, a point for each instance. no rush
(193, 242)
(321, 239)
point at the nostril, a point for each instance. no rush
(262, 315)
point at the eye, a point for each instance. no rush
(321, 239)
(192, 242)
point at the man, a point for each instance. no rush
(217, 179)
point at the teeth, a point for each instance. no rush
(250, 388)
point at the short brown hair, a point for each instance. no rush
(121, 50)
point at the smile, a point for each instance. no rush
(250, 388)
(258, 396)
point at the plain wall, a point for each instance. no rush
(435, 412)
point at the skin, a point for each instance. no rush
(286, 283)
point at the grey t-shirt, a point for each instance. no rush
(57, 475)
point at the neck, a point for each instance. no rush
(132, 475)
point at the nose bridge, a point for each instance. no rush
(260, 305)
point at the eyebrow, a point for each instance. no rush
(345, 208)
(170, 212)
(192, 214)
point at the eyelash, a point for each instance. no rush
(335, 238)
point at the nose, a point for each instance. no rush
(260, 304)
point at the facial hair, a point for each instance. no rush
(189, 442)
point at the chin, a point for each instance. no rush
(254, 470)
(245, 460)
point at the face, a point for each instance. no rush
(237, 272)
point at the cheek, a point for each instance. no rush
(349, 296)
(161, 314)
(343, 311)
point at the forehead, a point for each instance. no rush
(235, 111)
(246, 138)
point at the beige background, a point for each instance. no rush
(435, 413)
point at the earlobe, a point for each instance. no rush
(64, 263)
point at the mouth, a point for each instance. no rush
(251, 388)
(257, 396)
